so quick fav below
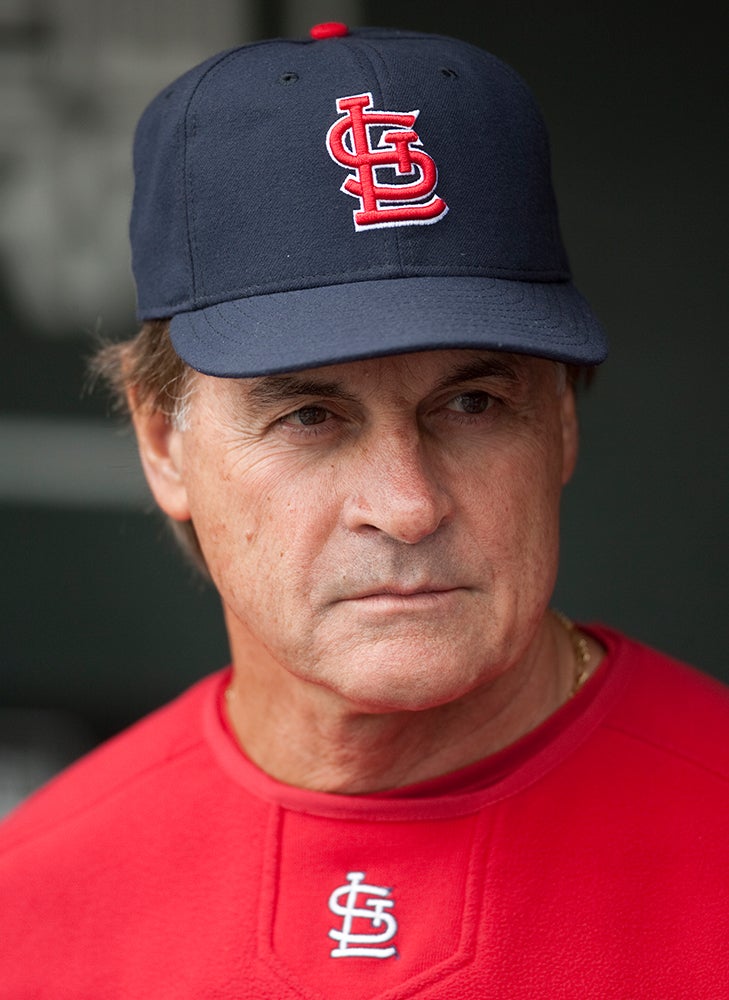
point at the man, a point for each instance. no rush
(353, 393)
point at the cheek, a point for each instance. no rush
(515, 508)
(260, 525)
(522, 476)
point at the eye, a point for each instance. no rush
(307, 416)
(471, 403)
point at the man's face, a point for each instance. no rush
(388, 528)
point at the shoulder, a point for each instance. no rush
(138, 757)
(676, 710)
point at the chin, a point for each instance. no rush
(384, 688)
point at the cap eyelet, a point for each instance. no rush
(450, 73)
(289, 77)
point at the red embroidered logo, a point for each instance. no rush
(374, 144)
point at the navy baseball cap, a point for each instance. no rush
(358, 193)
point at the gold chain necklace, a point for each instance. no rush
(580, 649)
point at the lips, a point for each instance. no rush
(396, 590)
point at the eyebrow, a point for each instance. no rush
(270, 389)
(479, 368)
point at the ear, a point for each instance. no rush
(570, 433)
(161, 452)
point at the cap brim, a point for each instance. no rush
(312, 327)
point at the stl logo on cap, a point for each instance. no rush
(407, 202)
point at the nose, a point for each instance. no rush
(398, 490)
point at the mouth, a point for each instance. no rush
(396, 594)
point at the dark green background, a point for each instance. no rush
(101, 617)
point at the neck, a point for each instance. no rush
(306, 736)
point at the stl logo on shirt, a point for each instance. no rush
(397, 150)
(364, 909)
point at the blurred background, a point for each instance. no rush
(101, 619)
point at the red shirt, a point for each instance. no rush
(588, 860)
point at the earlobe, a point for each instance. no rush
(570, 434)
(161, 452)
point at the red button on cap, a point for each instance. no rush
(329, 29)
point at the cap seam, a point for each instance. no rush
(361, 47)
(190, 120)
(190, 124)
(541, 125)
